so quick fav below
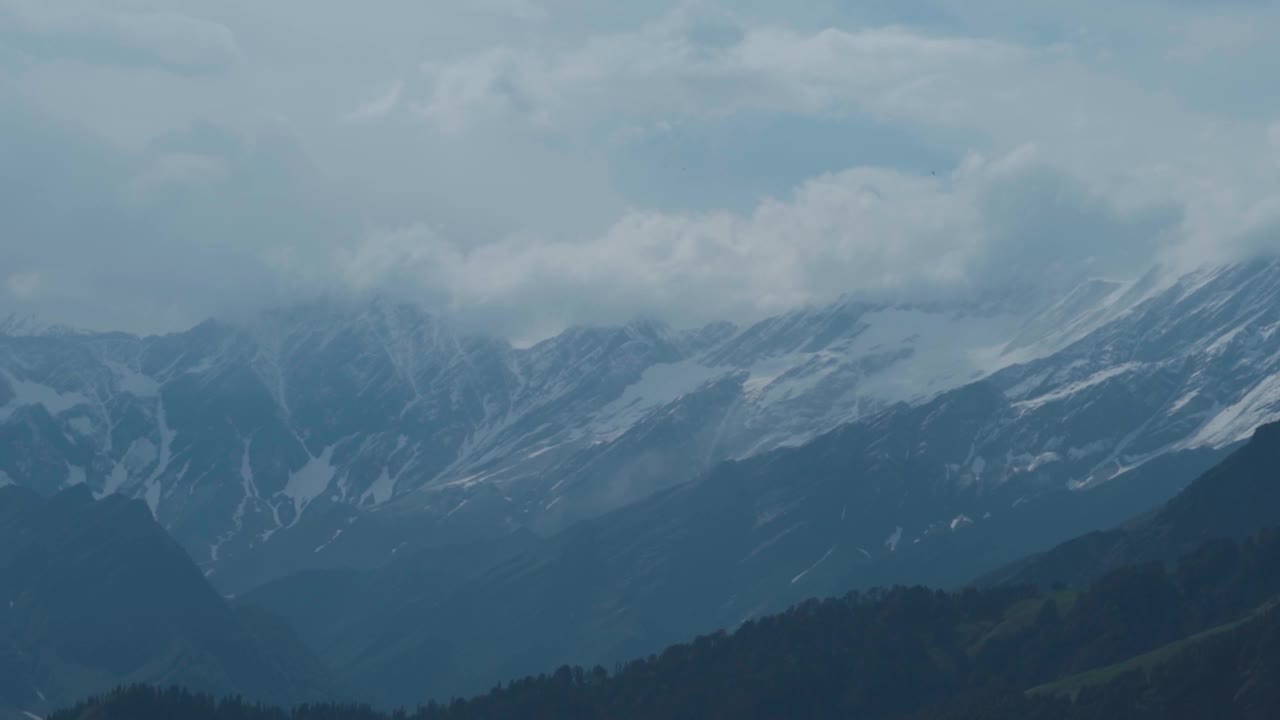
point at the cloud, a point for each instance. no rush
(526, 165)
(1110, 126)
(105, 237)
(23, 285)
(91, 32)
(882, 233)
(378, 107)
(175, 171)
(661, 70)
(1217, 35)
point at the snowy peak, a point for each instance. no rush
(276, 432)
(19, 325)
(808, 330)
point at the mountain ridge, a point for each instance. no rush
(95, 593)
(310, 418)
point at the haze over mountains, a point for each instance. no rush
(330, 435)
(1191, 639)
(497, 510)
(683, 358)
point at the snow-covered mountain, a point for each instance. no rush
(28, 325)
(328, 433)
(1170, 378)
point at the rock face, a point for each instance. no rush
(332, 435)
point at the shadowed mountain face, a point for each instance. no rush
(94, 594)
(1197, 639)
(853, 509)
(1235, 499)
(1197, 636)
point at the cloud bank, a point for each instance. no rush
(529, 165)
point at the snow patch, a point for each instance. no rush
(152, 496)
(657, 386)
(204, 366)
(322, 546)
(27, 393)
(947, 350)
(1237, 422)
(116, 480)
(1182, 402)
(141, 455)
(1222, 342)
(81, 426)
(810, 569)
(310, 481)
(75, 475)
(133, 382)
(977, 466)
(1038, 461)
(152, 493)
(773, 540)
(894, 538)
(1076, 387)
(381, 490)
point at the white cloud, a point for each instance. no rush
(176, 158)
(660, 70)
(1143, 146)
(883, 233)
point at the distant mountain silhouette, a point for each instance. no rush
(94, 594)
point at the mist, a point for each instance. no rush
(521, 167)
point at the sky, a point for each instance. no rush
(524, 165)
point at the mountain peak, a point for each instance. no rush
(29, 325)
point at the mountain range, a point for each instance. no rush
(331, 435)
(436, 511)
(259, 443)
(1195, 636)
